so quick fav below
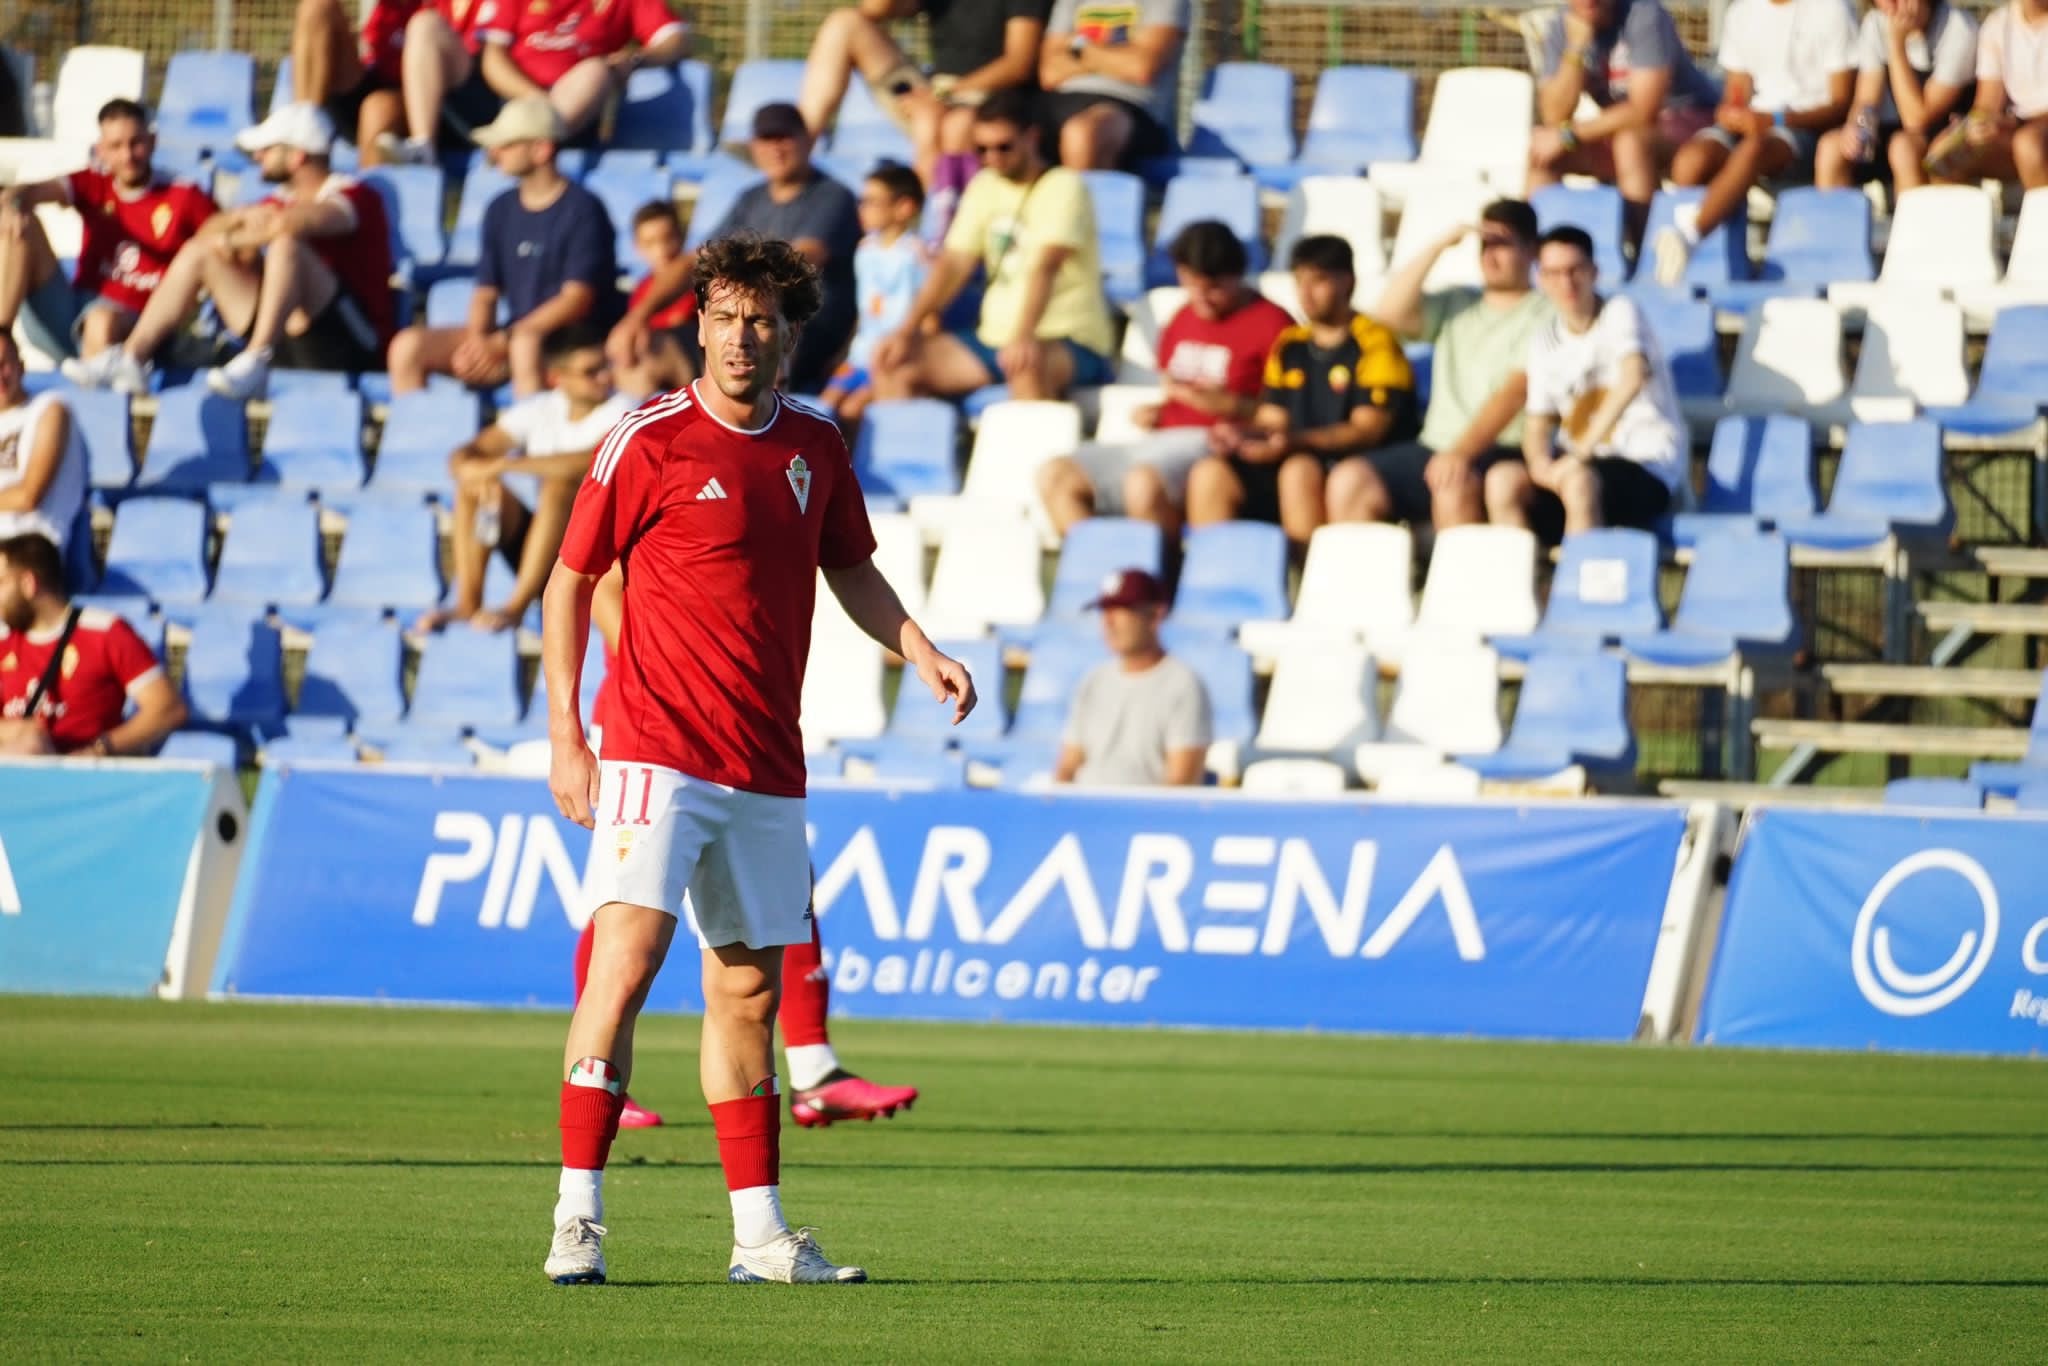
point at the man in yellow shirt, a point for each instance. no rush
(1044, 322)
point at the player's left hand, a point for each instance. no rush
(948, 677)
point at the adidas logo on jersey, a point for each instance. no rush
(712, 490)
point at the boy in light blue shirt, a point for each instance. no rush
(888, 270)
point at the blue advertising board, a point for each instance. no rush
(1501, 920)
(93, 862)
(1885, 930)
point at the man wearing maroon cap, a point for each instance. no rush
(1142, 718)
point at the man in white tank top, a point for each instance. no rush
(42, 457)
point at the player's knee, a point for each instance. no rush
(740, 995)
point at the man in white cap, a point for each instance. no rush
(547, 256)
(304, 277)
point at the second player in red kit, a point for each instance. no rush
(722, 501)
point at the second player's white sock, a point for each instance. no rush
(580, 1192)
(810, 1063)
(757, 1215)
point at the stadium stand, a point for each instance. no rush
(1604, 588)
(207, 98)
(1361, 115)
(1246, 113)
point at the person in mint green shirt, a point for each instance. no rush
(1478, 386)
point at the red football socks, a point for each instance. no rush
(806, 991)
(591, 1101)
(749, 1140)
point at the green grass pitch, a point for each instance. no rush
(277, 1183)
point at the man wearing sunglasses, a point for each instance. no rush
(1031, 227)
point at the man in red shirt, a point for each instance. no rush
(1212, 359)
(352, 75)
(725, 502)
(575, 52)
(304, 278)
(67, 673)
(650, 343)
(135, 221)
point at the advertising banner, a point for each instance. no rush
(1879, 930)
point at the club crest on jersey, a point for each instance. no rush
(160, 221)
(800, 482)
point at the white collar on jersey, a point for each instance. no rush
(773, 413)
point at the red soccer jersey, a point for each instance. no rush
(361, 257)
(105, 664)
(547, 37)
(679, 311)
(723, 532)
(384, 37)
(130, 237)
(1230, 352)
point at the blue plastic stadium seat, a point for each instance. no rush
(1233, 572)
(1759, 471)
(1684, 328)
(1233, 200)
(1817, 238)
(1573, 709)
(981, 400)
(200, 746)
(480, 186)
(234, 672)
(1361, 114)
(2032, 795)
(415, 197)
(390, 556)
(755, 83)
(1737, 598)
(207, 98)
(292, 384)
(2012, 386)
(864, 134)
(1889, 483)
(667, 109)
(906, 447)
(1597, 209)
(1605, 587)
(919, 723)
(421, 430)
(467, 679)
(158, 550)
(132, 608)
(352, 673)
(310, 749)
(624, 186)
(824, 765)
(2006, 779)
(1950, 793)
(1094, 549)
(197, 439)
(1247, 113)
(103, 423)
(1119, 200)
(1060, 657)
(721, 186)
(448, 301)
(1226, 674)
(314, 441)
(944, 770)
(271, 554)
(431, 751)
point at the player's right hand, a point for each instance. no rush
(573, 779)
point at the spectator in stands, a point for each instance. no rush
(353, 75)
(438, 69)
(304, 277)
(1140, 719)
(1109, 72)
(544, 445)
(1627, 58)
(547, 255)
(1477, 384)
(799, 204)
(67, 672)
(576, 54)
(134, 222)
(889, 268)
(652, 348)
(1605, 443)
(1334, 386)
(1791, 69)
(1031, 228)
(2005, 136)
(42, 457)
(977, 46)
(1212, 362)
(1916, 63)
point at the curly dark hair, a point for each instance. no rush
(760, 265)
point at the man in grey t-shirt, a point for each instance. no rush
(1142, 718)
(1109, 68)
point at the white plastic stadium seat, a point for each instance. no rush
(842, 698)
(1346, 206)
(1354, 590)
(988, 574)
(899, 554)
(1012, 440)
(1911, 358)
(1943, 237)
(1448, 702)
(89, 77)
(1434, 208)
(1442, 782)
(1324, 703)
(2026, 270)
(1482, 582)
(1138, 362)
(1277, 286)
(1479, 120)
(1294, 778)
(1114, 405)
(1789, 360)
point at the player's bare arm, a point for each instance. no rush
(564, 634)
(874, 607)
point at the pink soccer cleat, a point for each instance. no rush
(845, 1096)
(635, 1117)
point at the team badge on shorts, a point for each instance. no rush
(624, 840)
(800, 482)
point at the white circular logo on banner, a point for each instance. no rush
(1892, 988)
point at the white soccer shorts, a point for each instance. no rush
(737, 864)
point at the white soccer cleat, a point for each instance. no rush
(245, 377)
(793, 1259)
(112, 368)
(577, 1256)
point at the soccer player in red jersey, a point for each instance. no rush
(134, 221)
(724, 502)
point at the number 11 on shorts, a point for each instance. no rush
(646, 796)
